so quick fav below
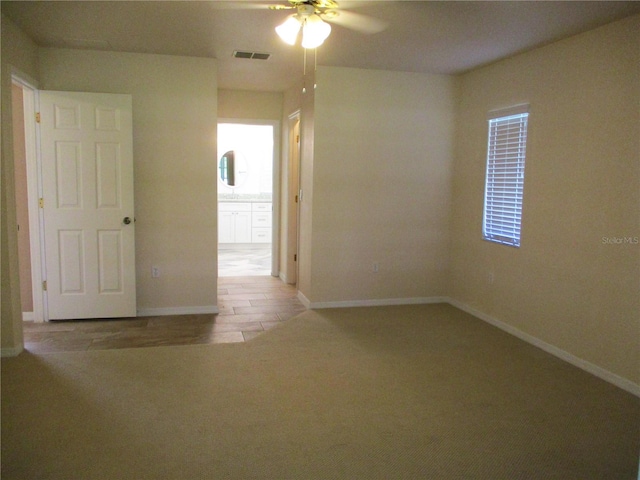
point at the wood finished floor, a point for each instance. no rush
(248, 307)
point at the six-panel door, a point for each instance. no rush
(87, 180)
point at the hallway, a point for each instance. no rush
(248, 307)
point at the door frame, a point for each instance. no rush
(275, 194)
(292, 212)
(30, 102)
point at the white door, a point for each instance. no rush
(87, 185)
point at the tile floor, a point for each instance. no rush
(249, 305)
(244, 260)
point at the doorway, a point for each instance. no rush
(48, 165)
(291, 213)
(246, 171)
(27, 193)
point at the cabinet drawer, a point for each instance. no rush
(261, 235)
(260, 219)
(261, 207)
(234, 207)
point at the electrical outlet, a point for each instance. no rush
(155, 272)
(375, 267)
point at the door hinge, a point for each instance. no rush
(41, 202)
(44, 285)
(295, 257)
(297, 138)
(296, 198)
(37, 117)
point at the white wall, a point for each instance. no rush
(381, 176)
(565, 285)
(174, 148)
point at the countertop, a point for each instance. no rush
(230, 198)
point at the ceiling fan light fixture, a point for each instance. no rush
(289, 29)
(314, 31)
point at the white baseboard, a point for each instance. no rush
(377, 302)
(11, 351)
(304, 300)
(283, 276)
(599, 372)
(161, 312)
(27, 316)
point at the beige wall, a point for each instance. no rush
(566, 285)
(307, 159)
(381, 185)
(18, 53)
(174, 148)
(244, 104)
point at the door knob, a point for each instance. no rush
(126, 220)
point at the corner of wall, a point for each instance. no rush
(19, 53)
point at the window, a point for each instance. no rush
(505, 175)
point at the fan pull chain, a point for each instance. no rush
(315, 66)
(304, 69)
(304, 65)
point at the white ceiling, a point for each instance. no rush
(447, 37)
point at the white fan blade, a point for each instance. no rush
(355, 21)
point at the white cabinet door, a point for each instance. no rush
(226, 227)
(243, 227)
(234, 222)
(87, 182)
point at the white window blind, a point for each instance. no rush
(505, 176)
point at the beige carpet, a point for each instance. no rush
(412, 392)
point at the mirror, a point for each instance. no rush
(233, 168)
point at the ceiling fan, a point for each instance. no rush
(311, 18)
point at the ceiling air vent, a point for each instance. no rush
(252, 55)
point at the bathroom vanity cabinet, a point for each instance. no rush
(244, 222)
